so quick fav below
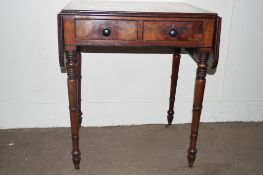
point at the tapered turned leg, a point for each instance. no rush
(174, 77)
(73, 104)
(79, 88)
(197, 106)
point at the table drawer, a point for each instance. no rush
(173, 30)
(106, 29)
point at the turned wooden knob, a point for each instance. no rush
(173, 33)
(106, 32)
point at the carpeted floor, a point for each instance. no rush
(223, 149)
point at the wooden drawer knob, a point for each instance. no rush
(106, 32)
(173, 33)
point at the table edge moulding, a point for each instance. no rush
(179, 27)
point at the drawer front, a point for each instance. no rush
(173, 31)
(106, 29)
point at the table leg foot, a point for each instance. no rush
(191, 157)
(168, 125)
(170, 115)
(76, 158)
(76, 166)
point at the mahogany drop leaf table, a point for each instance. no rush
(177, 26)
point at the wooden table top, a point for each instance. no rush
(133, 6)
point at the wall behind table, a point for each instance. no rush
(124, 88)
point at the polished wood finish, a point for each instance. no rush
(186, 31)
(176, 26)
(93, 29)
(214, 53)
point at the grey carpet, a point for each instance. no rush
(223, 149)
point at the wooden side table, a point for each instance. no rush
(138, 24)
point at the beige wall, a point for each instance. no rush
(125, 88)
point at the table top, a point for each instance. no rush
(133, 6)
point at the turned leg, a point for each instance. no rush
(79, 88)
(73, 104)
(174, 77)
(197, 105)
